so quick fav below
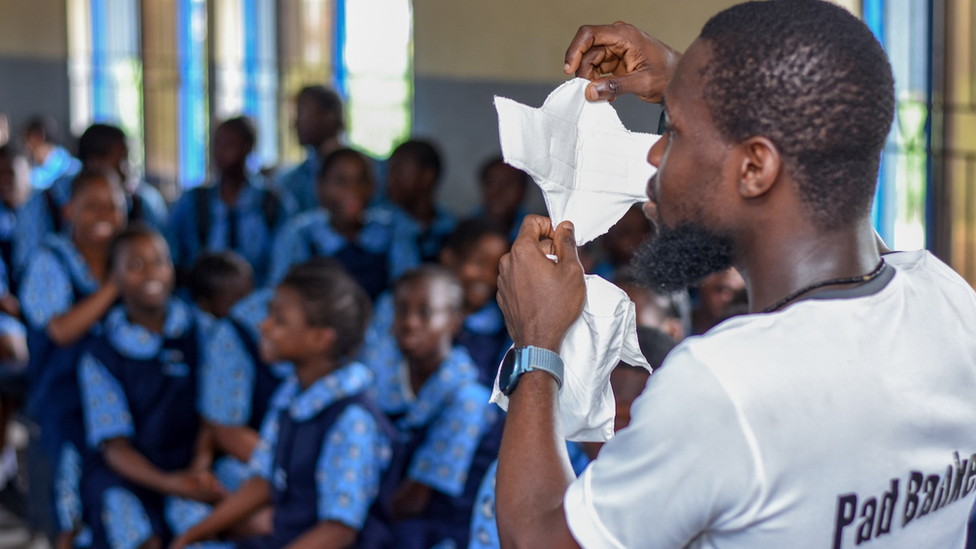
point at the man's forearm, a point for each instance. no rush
(533, 469)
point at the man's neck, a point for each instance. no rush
(781, 263)
(231, 184)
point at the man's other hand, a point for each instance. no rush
(541, 298)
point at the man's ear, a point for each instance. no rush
(760, 167)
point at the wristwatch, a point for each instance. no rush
(518, 361)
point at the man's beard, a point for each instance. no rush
(676, 258)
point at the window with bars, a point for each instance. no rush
(167, 70)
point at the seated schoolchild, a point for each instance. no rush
(219, 280)
(363, 239)
(446, 418)
(15, 190)
(412, 181)
(65, 293)
(628, 383)
(503, 190)
(100, 147)
(324, 445)
(473, 252)
(149, 453)
(235, 213)
(238, 384)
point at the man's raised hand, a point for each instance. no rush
(636, 62)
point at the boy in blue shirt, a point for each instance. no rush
(319, 122)
(365, 240)
(236, 213)
(150, 454)
(414, 174)
(65, 293)
(324, 445)
(446, 418)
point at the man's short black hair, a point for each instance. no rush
(325, 99)
(813, 79)
(45, 124)
(98, 140)
(425, 153)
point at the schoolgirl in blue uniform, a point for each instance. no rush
(414, 174)
(363, 239)
(65, 293)
(324, 445)
(149, 454)
(101, 147)
(450, 431)
(238, 213)
(472, 252)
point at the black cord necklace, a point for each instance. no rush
(832, 282)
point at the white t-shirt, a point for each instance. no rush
(830, 421)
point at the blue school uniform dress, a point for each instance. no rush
(299, 182)
(379, 255)
(324, 451)
(237, 385)
(42, 214)
(484, 527)
(451, 435)
(141, 386)
(429, 240)
(56, 278)
(201, 222)
(59, 162)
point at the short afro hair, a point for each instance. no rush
(242, 126)
(813, 79)
(425, 153)
(98, 140)
(326, 99)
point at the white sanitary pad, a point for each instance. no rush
(591, 170)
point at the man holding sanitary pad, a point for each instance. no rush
(841, 411)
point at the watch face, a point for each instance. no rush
(505, 375)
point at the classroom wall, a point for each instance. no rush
(33, 60)
(467, 52)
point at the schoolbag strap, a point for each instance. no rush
(202, 205)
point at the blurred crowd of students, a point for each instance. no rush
(298, 360)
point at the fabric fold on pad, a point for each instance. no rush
(591, 170)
